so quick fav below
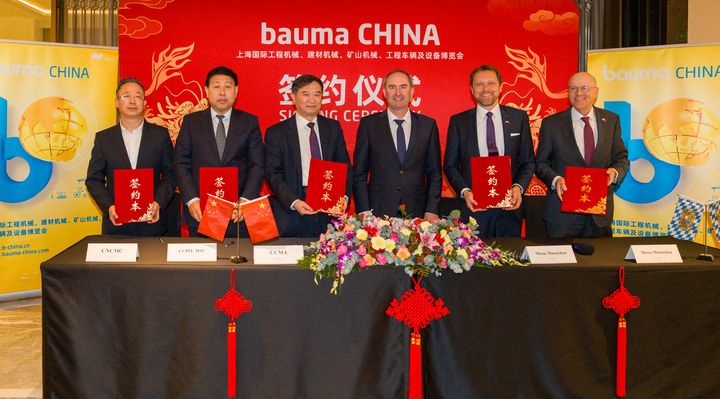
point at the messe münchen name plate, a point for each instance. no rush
(200, 252)
(112, 252)
(277, 254)
(548, 254)
(662, 253)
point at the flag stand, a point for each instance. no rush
(706, 256)
(237, 258)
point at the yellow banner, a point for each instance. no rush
(53, 98)
(669, 108)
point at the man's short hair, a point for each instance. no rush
(220, 70)
(125, 81)
(398, 71)
(485, 68)
(304, 80)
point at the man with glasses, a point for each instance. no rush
(585, 136)
(133, 143)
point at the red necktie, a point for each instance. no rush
(589, 139)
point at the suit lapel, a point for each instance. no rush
(293, 140)
(144, 146)
(505, 117)
(569, 136)
(387, 134)
(324, 132)
(472, 125)
(116, 141)
(414, 135)
(210, 134)
(603, 135)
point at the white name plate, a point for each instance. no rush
(112, 252)
(277, 254)
(665, 253)
(548, 254)
(202, 252)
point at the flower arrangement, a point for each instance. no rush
(362, 241)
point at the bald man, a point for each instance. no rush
(565, 141)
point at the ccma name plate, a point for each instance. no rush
(277, 254)
(112, 252)
(198, 252)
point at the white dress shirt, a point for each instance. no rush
(132, 139)
(304, 136)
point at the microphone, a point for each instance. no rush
(583, 249)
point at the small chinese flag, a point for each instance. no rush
(215, 217)
(259, 219)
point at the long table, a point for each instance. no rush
(149, 330)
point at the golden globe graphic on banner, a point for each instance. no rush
(53, 98)
(667, 99)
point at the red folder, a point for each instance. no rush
(491, 181)
(586, 191)
(134, 194)
(326, 186)
(220, 182)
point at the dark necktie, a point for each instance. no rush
(589, 139)
(490, 135)
(314, 145)
(400, 140)
(220, 135)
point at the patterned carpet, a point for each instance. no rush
(21, 349)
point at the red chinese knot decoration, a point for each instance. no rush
(416, 308)
(621, 301)
(232, 304)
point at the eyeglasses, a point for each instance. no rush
(584, 89)
(128, 98)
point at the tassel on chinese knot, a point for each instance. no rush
(416, 308)
(621, 301)
(233, 304)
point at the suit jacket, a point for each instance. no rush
(462, 144)
(283, 168)
(109, 153)
(416, 183)
(196, 147)
(558, 149)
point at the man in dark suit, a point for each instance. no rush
(400, 150)
(289, 146)
(131, 144)
(490, 129)
(585, 136)
(220, 136)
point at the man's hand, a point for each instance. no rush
(515, 200)
(155, 213)
(113, 215)
(237, 215)
(303, 208)
(470, 201)
(194, 209)
(612, 175)
(560, 187)
(431, 217)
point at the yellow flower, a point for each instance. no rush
(361, 235)
(389, 245)
(369, 259)
(424, 225)
(378, 243)
(405, 231)
(443, 233)
(462, 253)
(447, 248)
(403, 253)
(418, 251)
(382, 223)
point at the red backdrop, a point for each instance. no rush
(170, 45)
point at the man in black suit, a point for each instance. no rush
(289, 146)
(490, 129)
(586, 136)
(220, 136)
(131, 144)
(400, 150)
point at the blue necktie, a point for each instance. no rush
(314, 145)
(400, 140)
(490, 135)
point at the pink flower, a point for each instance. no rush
(362, 263)
(361, 250)
(381, 259)
(342, 249)
(394, 237)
